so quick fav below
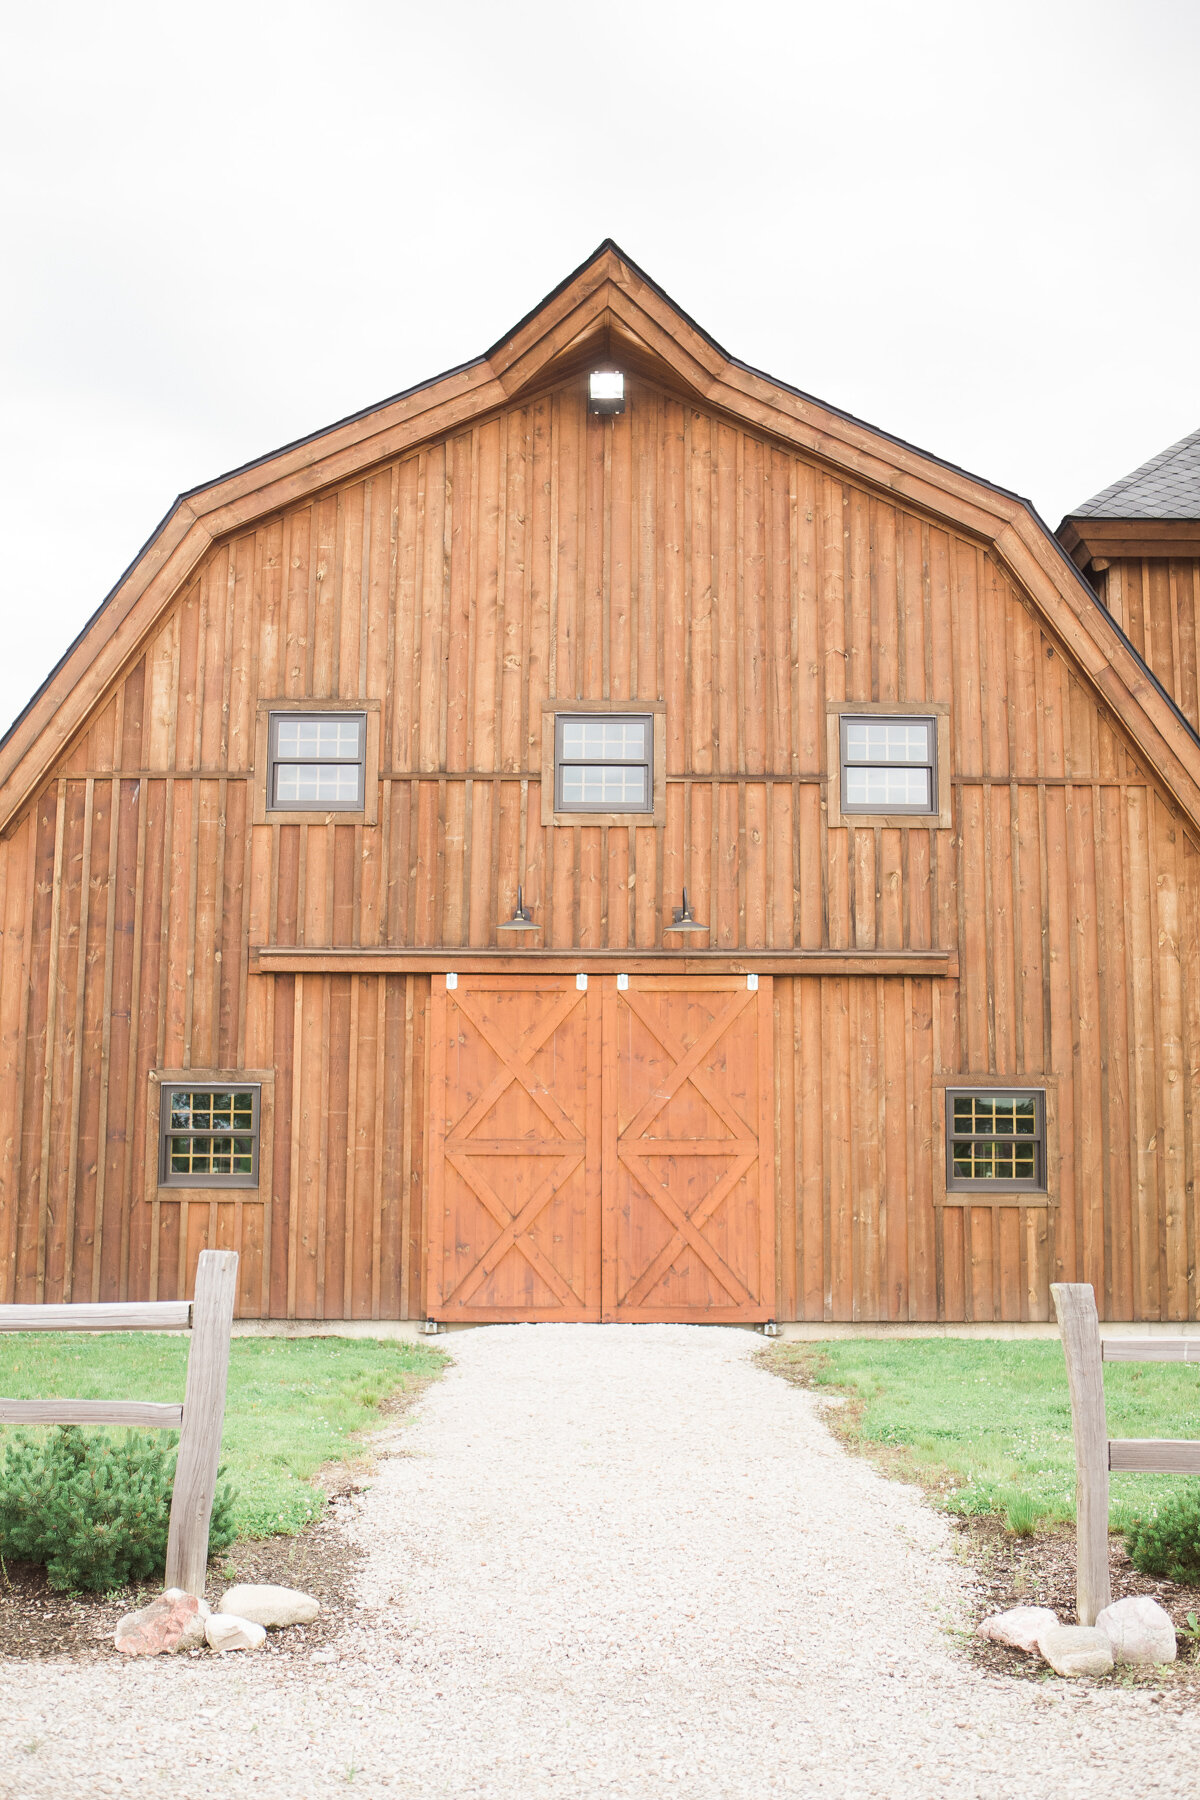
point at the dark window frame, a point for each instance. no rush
(969, 1184)
(275, 762)
(188, 1178)
(879, 809)
(629, 717)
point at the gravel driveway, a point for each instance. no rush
(610, 1561)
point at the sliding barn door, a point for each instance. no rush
(689, 1215)
(601, 1151)
(514, 1139)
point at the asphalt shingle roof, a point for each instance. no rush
(1166, 487)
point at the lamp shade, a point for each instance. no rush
(684, 919)
(522, 919)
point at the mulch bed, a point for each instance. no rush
(1012, 1571)
(1040, 1571)
(37, 1624)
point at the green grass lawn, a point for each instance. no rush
(985, 1426)
(292, 1404)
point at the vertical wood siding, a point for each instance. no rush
(663, 555)
(1156, 601)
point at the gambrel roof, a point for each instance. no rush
(607, 307)
(1166, 487)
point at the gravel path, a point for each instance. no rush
(610, 1561)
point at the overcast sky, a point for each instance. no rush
(973, 225)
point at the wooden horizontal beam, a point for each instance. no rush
(91, 1412)
(1162, 1349)
(303, 960)
(1148, 549)
(515, 777)
(146, 1315)
(1110, 538)
(1155, 1456)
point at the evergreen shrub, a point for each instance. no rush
(94, 1512)
(1166, 1541)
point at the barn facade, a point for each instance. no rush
(344, 857)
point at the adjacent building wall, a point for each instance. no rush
(1156, 602)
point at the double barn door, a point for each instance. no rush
(601, 1148)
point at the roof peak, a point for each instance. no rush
(1166, 487)
(606, 247)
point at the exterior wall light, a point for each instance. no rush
(684, 920)
(522, 919)
(606, 391)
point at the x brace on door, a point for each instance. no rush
(634, 1147)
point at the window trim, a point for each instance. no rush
(322, 812)
(561, 762)
(654, 710)
(166, 1135)
(964, 1184)
(275, 761)
(949, 1192)
(938, 711)
(929, 721)
(221, 1188)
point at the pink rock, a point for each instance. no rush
(157, 1628)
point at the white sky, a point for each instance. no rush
(226, 226)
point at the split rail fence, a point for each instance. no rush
(1096, 1454)
(209, 1318)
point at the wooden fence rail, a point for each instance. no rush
(209, 1317)
(1095, 1452)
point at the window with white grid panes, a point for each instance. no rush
(995, 1139)
(209, 1135)
(604, 762)
(316, 762)
(888, 765)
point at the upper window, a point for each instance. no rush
(317, 762)
(995, 1139)
(604, 762)
(208, 1136)
(889, 765)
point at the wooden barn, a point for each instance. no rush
(604, 835)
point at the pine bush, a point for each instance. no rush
(94, 1512)
(1167, 1540)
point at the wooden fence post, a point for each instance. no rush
(203, 1416)
(1075, 1304)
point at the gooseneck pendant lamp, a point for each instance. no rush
(684, 919)
(522, 919)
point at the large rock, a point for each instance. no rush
(192, 1636)
(159, 1628)
(270, 1606)
(1076, 1650)
(1138, 1630)
(225, 1632)
(1019, 1628)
